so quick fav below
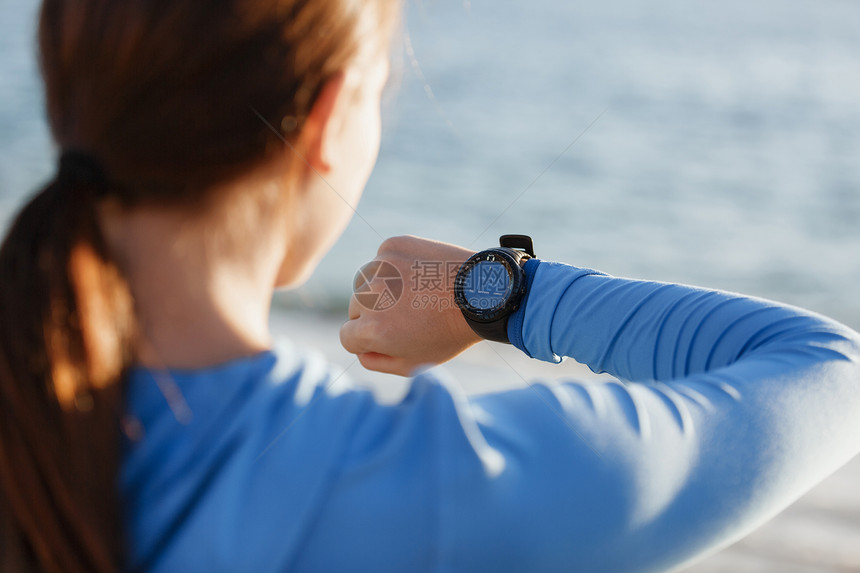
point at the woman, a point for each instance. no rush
(211, 152)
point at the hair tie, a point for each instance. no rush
(81, 167)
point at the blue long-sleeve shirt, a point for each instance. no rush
(727, 409)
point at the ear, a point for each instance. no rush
(320, 129)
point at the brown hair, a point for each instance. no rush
(172, 97)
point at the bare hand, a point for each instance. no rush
(424, 326)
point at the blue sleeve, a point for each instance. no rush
(726, 409)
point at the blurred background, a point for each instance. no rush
(712, 143)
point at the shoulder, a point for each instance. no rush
(245, 455)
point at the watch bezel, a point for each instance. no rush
(518, 281)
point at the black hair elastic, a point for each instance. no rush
(81, 167)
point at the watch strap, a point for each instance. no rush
(496, 331)
(521, 242)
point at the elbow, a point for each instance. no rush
(830, 342)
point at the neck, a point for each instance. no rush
(199, 301)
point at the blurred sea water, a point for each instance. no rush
(713, 143)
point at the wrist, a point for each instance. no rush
(457, 324)
(460, 329)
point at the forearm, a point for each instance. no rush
(744, 405)
(645, 330)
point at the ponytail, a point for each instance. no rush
(66, 326)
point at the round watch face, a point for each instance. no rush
(487, 285)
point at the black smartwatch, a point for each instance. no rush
(491, 284)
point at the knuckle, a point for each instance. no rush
(343, 335)
(348, 338)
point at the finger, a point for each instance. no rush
(352, 337)
(382, 363)
(397, 243)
